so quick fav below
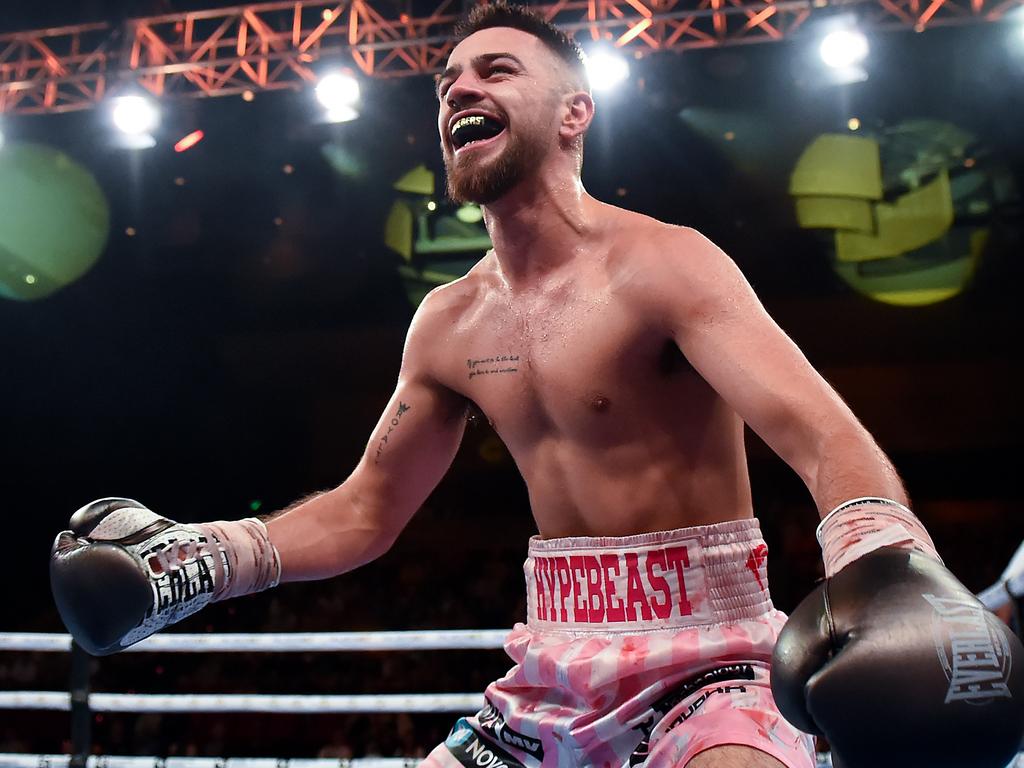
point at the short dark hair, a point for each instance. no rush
(503, 14)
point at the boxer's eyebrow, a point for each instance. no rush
(484, 58)
(492, 56)
(449, 72)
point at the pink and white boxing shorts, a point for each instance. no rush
(638, 651)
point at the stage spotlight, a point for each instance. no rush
(135, 115)
(844, 48)
(338, 92)
(606, 69)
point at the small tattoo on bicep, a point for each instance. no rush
(395, 420)
(485, 366)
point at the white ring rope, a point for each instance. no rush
(9, 760)
(824, 760)
(243, 702)
(278, 642)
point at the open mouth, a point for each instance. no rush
(474, 129)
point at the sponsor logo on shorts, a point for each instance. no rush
(492, 722)
(711, 677)
(973, 652)
(473, 751)
(460, 734)
(614, 587)
(700, 700)
(677, 694)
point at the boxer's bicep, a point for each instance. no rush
(722, 328)
(418, 433)
(348, 526)
(409, 451)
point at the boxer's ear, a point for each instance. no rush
(576, 118)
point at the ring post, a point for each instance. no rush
(81, 716)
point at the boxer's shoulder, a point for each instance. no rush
(640, 245)
(447, 319)
(446, 306)
(675, 271)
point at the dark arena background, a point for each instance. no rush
(212, 324)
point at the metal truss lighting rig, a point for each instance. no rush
(277, 45)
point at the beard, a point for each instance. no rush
(483, 182)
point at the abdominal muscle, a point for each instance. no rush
(652, 483)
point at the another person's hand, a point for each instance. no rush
(1005, 598)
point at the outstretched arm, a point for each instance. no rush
(727, 335)
(409, 451)
(122, 572)
(729, 338)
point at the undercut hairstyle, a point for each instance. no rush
(503, 14)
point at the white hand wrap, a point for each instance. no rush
(253, 561)
(862, 525)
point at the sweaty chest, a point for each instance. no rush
(568, 364)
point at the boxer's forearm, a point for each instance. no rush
(326, 535)
(862, 503)
(847, 464)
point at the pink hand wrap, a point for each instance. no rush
(859, 526)
(249, 562)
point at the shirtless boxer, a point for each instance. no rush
(618, 358)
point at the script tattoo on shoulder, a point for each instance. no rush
(395, 421)
(486, 366)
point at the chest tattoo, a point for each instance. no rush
(486, 366)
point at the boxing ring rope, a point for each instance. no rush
(279, 642)
(9, 760)
(290, 642)
(263, 703)
(241, 702)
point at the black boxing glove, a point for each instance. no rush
(123, 572)
(896, 663)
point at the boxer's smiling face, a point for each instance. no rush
(498, 111)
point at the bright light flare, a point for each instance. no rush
(135, 115)
(338, 92)
(342, 114)
(606, 70)
(189, 141)
(844, 48)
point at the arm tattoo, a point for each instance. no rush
(402, 408)
(488, 365)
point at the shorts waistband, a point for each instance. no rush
(684, 577)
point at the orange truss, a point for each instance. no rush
(275, 45)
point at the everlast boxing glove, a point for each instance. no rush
(897, 664)
(123, 572)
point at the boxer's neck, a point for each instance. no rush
(540, 226)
